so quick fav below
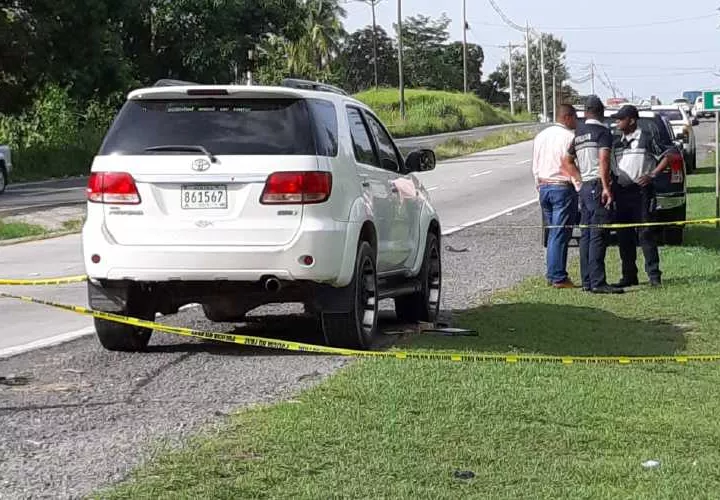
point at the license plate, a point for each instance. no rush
(196, 197)
(676, 177)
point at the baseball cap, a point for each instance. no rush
(627, 111)
(593, 102)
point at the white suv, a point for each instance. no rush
(239, 196)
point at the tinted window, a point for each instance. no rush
(389, 158)
(223, 126)
(325, 126)
(364, 150)
(671, 114)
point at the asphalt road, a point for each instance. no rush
(24, 197)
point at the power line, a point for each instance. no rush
(508, 22)
(505, 18)
(623, 53)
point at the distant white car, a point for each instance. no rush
(5, 167)
(238, 196)
(682, 125)
(699, 109)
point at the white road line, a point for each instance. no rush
(48, 342)
(432, 188)
(488, 218)
(523, 162)
(63, 338)
(482, 173)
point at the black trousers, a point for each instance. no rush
(593, 241)
(637, 204)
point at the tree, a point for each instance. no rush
(451, 77)
(356, 60)
(423, 40)
(554, 59)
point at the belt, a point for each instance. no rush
(554, 182)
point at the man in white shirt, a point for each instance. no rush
(554, 180)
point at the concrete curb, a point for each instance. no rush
(39, 237)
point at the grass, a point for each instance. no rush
(431, 112)
(457, 147)
(400, 429)
(12, 230)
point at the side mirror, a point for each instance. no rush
(695, 122)
(421, 160)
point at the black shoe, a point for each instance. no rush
(607, 289)
(626, 282)
(655, 282)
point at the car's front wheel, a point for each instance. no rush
(356, 328)
(425, 304)
(3, 178)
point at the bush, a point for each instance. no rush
(432, 111)
(55, 137)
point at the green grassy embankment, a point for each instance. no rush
(430, 112)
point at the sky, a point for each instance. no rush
(679, 51)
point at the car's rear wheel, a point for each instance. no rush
(3, 178)
(356, 328)
(425, 304)
(115, 336)
(674, 235)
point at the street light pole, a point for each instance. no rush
(510, 76)
(401, 84)
(464, 15)
(542, 77)
(373, 3)
(527, 68)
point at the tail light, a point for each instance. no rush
(297, 188)
(116, 188)
(677, 167)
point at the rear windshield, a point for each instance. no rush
(225, 126)
(671, 114)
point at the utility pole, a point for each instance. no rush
(592, 77)
(542, 77)
(372, 4)
(510, 77)
(527, 68)
(554, 96)
(401, 84)
(464, 15)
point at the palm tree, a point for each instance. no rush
(319, 45)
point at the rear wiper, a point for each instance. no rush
(189, 148)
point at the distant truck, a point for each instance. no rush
(5, 167)
(699, 110)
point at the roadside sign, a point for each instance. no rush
(711, 100)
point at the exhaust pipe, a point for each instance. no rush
(272, 285)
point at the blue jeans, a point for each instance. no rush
(559, 205)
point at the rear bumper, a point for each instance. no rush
(670, 201)
(329, 246)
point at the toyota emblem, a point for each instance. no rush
(200, 165)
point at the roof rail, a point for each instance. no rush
(167, 82)
(296, 83)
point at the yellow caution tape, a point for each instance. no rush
(45, 281)
(402, 355)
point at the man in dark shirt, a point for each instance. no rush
(591, 152)
(638, 159)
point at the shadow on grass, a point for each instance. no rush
(534, 328)
(705, 236)
(700, 189)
